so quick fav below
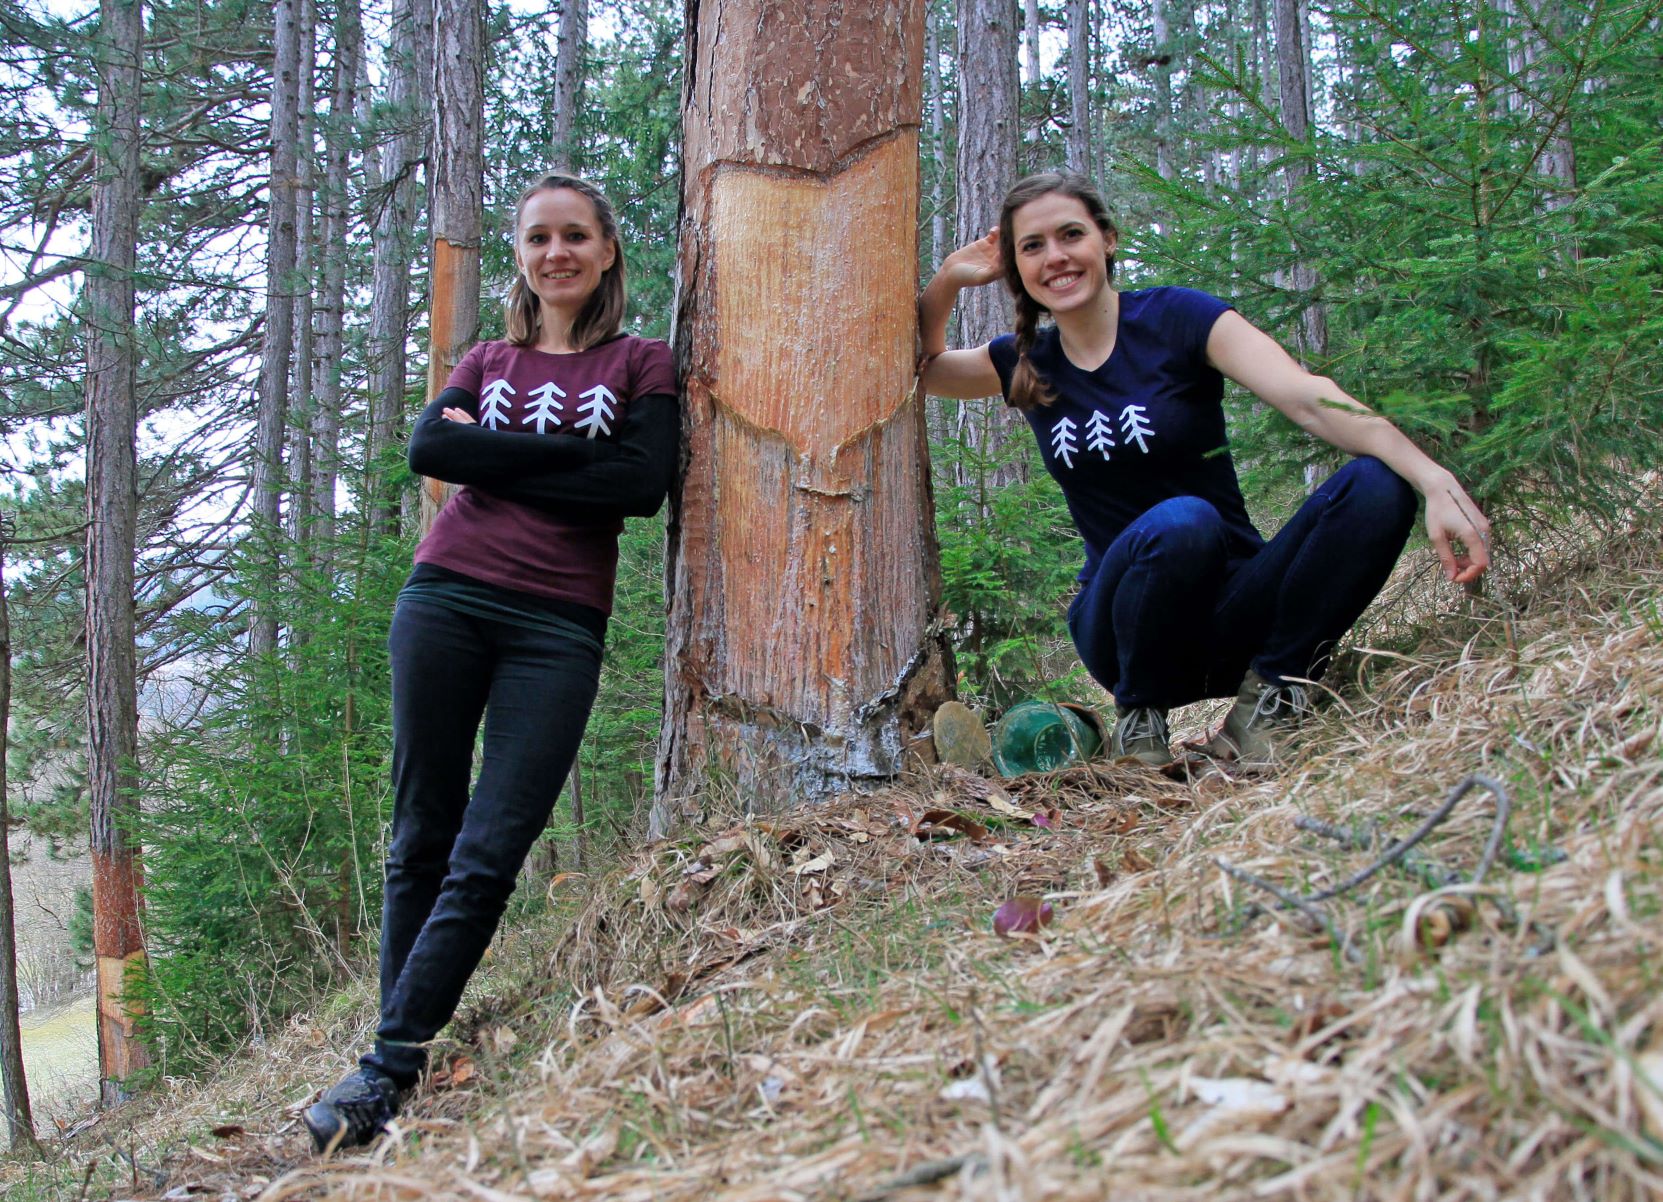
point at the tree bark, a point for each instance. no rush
(112, 513)
(456, 199)
(302, 399)
(568, 84)
(803, 654)
(278, 341)
(1162, 65)
(14, 1084)
(393, 190)
(1293, 75)
(986, 168)
(336, 213)
(1079, 86)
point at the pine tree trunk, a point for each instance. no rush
(393, 183)
(112, 512)
(1079, 86)
(302, 399)
(1162, 67)
(568, 84)
(986, 168)
(278, 343)
(935, 102)
(14, 1084)
(1293, 74)
(802, 651)
(456, 200)
(336, 214)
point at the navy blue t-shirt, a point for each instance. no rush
(1146, 426)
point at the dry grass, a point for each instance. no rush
(815, 1007)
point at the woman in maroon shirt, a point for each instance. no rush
(556, 434)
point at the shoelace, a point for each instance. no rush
(1293, 697)
(1141, 723)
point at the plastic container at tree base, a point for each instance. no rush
(1042, 736)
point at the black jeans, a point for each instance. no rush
(1169, 618)
(453, 858)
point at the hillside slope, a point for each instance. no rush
(816, 1007)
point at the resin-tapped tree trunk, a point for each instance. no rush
(14, 1083)
(803, 652)
(456, 200)
(112, 522)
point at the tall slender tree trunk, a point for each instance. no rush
(278, 342)
(302, 400)
(986, 168)
(456, 199)
(568, 83)
(14, 1084)
(803, 654)
(112, 518)
(1161, 64)
(393, 191)
(1079, 86)
(336, 214)
(1293, 75)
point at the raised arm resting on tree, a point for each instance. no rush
(629, 476)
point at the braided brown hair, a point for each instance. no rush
(1027, 387)
(603, 312)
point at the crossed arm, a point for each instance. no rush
(626, 477)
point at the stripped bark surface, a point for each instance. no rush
(458, 199)
(803, 653)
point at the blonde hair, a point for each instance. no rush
(603, 313)
(1027, 387)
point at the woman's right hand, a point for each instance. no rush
(974, 265)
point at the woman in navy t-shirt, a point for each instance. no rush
(1181, 598)
(556, 434)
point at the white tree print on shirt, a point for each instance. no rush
(1100, 433)
(1063, 445)
(543, 407)
(597, 410)
(1134, 424)
(493, 403)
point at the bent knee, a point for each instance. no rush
(1187, 525)
(1378, 491)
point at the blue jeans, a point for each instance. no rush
(1169, 618)
(453, 858)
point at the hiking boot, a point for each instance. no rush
(1140, 733)
(1256, 729)
(353, 1112)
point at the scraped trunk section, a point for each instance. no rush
(803, 652)
(458, 200)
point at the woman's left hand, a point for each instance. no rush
(1452, 517)
(459, 415)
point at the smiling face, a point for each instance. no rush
(561, 250)
(1061, 255)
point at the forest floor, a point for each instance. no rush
(815, 1006)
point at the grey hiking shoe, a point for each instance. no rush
(352, 1112)
(1256, 729)
(1141, 734)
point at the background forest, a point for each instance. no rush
(1453, 209)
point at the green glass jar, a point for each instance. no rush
(1042, 736)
